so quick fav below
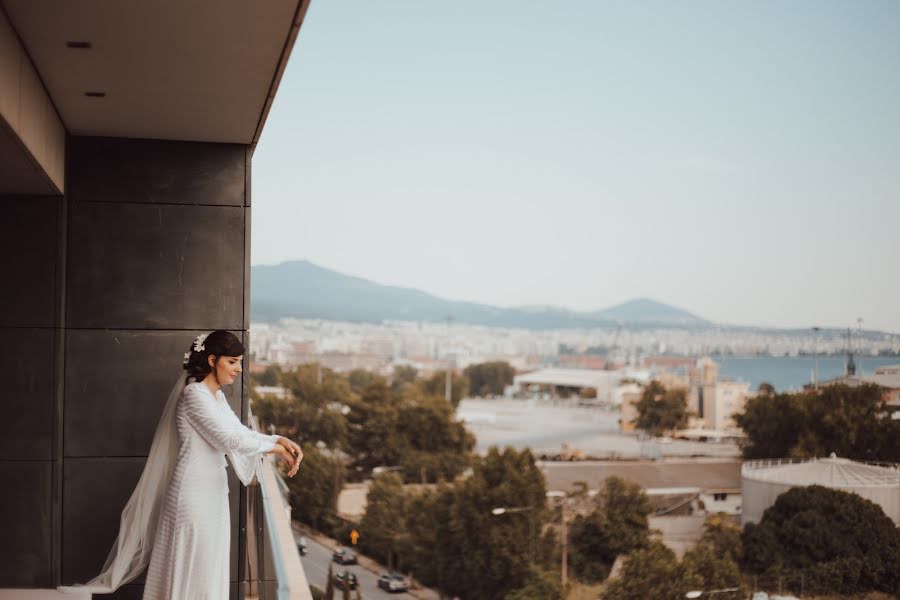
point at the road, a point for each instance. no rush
(316, 561)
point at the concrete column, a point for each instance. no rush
(30, 340)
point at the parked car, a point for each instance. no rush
(345, 580)
(344, 556)
(302, 546)
(393, 582)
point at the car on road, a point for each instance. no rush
(345, 580)
(344, 556)
(393, 582)
(302, 546)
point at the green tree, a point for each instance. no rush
(435, 386)
(359, 379)
(275, 411)
(490, 378)
(404, 375)
(312, 413)
(849, 421)
(436, 445)
(660, 410)
(415, 431)
(713, 571)
(271, 375)
(723, 537)
(424, 548)
(315, 488)
(372, 428)
(617, 525)
(772, 424)
(455, 533)
(384, 520)
(842, 542)
(652, 572)
(539, 585)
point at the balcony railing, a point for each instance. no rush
(273, 569)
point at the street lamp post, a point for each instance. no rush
(517, 509)
(698, 593)
(385, 469)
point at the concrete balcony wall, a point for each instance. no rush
(107, 288)
(30, 347)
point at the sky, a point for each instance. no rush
(740, 160)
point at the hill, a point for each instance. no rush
(302, 289)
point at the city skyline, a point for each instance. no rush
(737, 161)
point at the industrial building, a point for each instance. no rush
(762, 481)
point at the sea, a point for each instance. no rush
(791, 373)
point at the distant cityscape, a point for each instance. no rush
(430, 346)
(304, 313)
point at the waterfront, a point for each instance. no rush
(789, 373)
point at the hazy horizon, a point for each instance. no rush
(738, 161)
(853, 326)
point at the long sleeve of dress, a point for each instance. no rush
(216, 422)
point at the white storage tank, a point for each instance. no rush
(762, 481)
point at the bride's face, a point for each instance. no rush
(228, 368)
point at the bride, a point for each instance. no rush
(177, 518)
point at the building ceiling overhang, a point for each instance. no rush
(198, 70)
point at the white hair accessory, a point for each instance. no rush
(198, 342)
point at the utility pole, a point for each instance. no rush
(448, 385)
(564, 535)
(565, 546)
(816, 352)
(859, 344)
(851, 364)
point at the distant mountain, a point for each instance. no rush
(645, 310)
(301, 289)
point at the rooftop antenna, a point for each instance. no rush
(859, 341)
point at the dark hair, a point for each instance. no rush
(218, 343)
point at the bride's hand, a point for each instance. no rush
(291, 447)
(290, 459)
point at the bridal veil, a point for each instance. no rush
(130, 553)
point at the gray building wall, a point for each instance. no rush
(104, 290)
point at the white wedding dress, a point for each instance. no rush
(191, 549)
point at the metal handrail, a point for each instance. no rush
(269, 527)
(751, 468)
(762, 463)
